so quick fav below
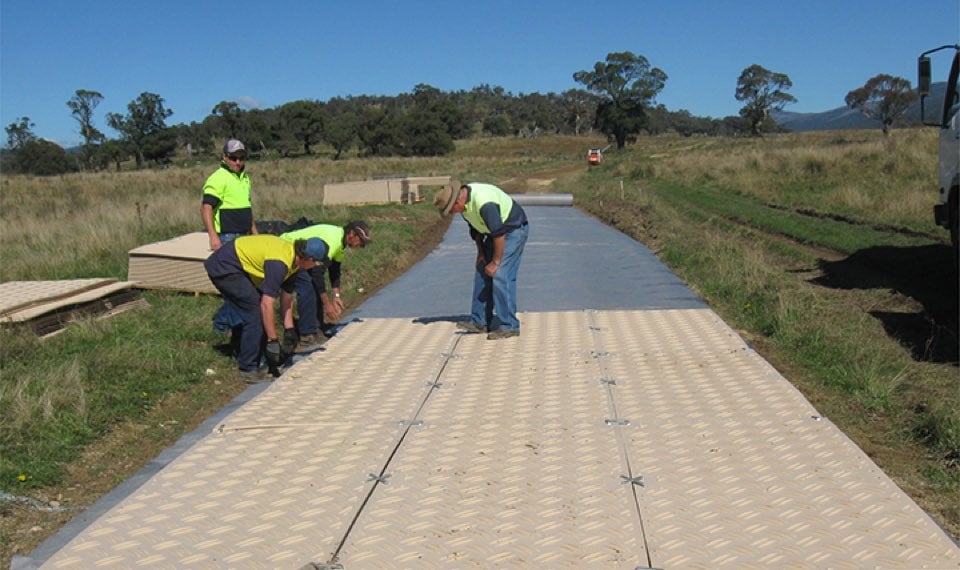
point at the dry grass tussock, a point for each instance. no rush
(856, 173)
(51, 224)
(30, 398)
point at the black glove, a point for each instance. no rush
(273, 353)
(290, 341)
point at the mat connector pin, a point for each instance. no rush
(638, 480)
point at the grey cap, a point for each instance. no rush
(232, 146)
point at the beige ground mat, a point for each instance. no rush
(49, 305)
(175, 264)
(617, 439)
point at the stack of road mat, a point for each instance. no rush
(48, 306)
(175, 264)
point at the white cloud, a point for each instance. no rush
(248, 102)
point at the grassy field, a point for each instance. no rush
(819, 248)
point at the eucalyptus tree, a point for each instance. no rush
(304, 121)
(762, 91)
(82, 105)
(628, 86)
(144, 130)
(230, 117)
(341, 132)
(882, 98)
(20, 132)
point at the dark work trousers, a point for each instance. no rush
(309, 306)
(240, 291)
(228, 318)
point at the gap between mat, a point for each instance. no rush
(617, 423)
(382, 477)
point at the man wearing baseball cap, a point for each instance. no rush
(251, 272)
(313, 302)
(226, 210)
(498, 225)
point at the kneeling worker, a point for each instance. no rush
(252, 272)
(313, 302)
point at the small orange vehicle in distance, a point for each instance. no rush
(594, 156)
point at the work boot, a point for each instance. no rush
(310, 342)
(471, 327)
(256, 376)
(502, 333)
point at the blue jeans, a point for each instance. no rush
(494, 303)
(309, 309)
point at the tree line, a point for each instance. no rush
(617, 99)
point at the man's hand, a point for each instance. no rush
(491, 268)
(290, 341)
(215, 242)
(273, 353)
(332, 308)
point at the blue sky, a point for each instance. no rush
(263, 54)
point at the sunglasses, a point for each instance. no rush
(236, 157)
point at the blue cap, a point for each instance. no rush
(316, 248)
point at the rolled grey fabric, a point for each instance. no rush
(543, 199)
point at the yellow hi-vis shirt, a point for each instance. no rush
(228, 193)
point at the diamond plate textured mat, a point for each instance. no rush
(627, 427)
(607, 439)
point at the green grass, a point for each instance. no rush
(823, 231)
(60, 393)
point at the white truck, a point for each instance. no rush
(948, 119)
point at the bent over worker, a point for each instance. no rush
(252, 272)
(313, 302)
(498, 225)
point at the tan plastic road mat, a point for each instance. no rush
(613, 439)
(175, 264)
(49, 305)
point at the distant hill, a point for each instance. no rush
(846, 118)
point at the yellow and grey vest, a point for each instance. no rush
(480, 195)
(255, 251)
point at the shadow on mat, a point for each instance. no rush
(441, 319)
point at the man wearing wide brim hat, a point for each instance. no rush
(498, 225)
